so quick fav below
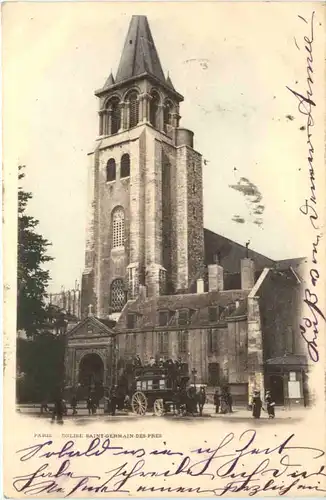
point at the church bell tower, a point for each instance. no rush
(145, 220)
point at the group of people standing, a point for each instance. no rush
(257, 404)
(187, 401)
(223, 401)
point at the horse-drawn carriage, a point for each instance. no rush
(161, 390)
(154, 389)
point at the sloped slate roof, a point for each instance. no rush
(288, 359)
(199, 303)
(230, 253)
(139, 54)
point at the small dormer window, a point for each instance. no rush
(183, 317)
(131, 321)
(164, 318)
(213, 314)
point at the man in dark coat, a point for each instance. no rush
(74, 404)
(230, 401)
(58, 409)
(270, 405)
(89, 405)
(113, 400)
(217, 400)
(201, 400)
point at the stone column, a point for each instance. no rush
(160, 117)
(174, 120)
(146, 107)
(105, 122)
(109, 121)
(101, 127)
(123, 116)
(142, 112)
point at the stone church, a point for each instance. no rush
(156, 282)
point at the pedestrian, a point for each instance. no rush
(225, 401)
(256, 404)
(230, 401)
(270, 405)
(113, 401)
(58, 410)
(74, 404)
(126, 402)
(217, 400)
(64, 407)
(44, 406)
(201, 400)
(89, 404)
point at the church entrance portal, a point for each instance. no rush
(91, 374)
(277, 389)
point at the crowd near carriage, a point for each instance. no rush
(160, 387)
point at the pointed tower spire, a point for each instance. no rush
(139, 54)
(109, 81)
(169, 82)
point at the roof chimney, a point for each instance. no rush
(200, 285)
(215, 277)
(247, 274)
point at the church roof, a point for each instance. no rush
(288, 359)
(198, 303)
(230, 253)
(139, 54)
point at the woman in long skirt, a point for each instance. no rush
(256, 405)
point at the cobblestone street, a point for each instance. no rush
(238, 415)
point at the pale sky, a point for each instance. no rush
(231, 62)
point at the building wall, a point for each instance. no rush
(112, 262)
(230, 355)
(69, 300)
(280, 305)
(162, 201)
(195, 216)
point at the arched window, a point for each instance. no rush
(153, 110)
(117, 295)
(125, 166)
(115, 115)
(133, 109)
(167, 114)
(110, 170)
(118, 227)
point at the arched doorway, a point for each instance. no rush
(91, 374)
(277, 388)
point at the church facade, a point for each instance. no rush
(156, 283)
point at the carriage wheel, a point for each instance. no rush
(158, 407)
(139, 403)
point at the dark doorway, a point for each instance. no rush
(213, 374)
(277, 388)
(91, 370)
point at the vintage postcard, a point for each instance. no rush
(164, 249)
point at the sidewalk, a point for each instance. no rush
(239, 413)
